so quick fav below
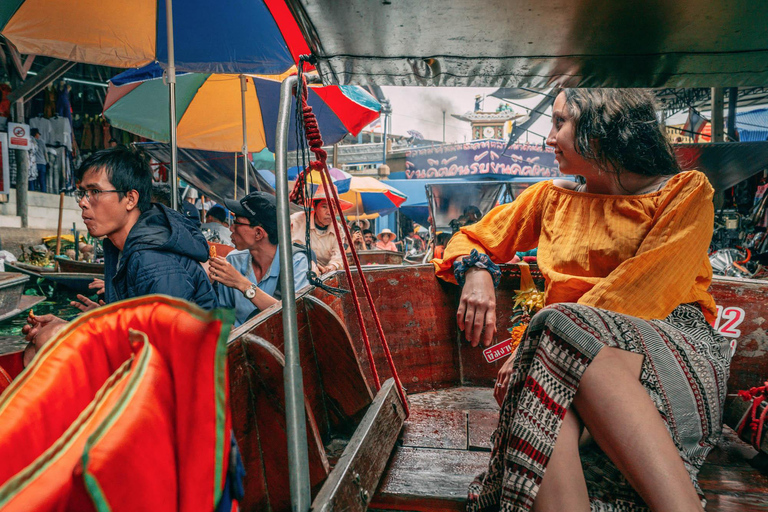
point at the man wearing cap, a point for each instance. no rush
(249, 278)
(322, 237)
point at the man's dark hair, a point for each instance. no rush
(218, 213)
(368, 232)
(33, 132)
(126, 169)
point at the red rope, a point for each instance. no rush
(315, 145)
(756, 396)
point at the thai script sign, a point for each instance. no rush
(479, 158)
(499, 350)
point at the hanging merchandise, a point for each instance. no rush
(49, 109)
(63, 105)
(86, 141)
(98, 133)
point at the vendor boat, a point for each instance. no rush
(83, 267)
(378, 257)
(13, 302)
(76, 282)
(363, 452)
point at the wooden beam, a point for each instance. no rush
(353, 481)
(34, 85)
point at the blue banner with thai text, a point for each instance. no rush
(478, 158)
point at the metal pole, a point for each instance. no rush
(733, 99)
(295, 418)
(22, 171)
(718, 100)
(170, 76)
(384, 140)
(246, 167)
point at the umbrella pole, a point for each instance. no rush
(243, 89)
(295, 419)
(170, 76)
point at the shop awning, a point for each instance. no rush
(211, 172)
(528, 43)
(724, 163)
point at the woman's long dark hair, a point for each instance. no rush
(618, 130)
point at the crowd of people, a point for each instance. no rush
(152, 248)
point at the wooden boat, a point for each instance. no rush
(426, 462)
(73, 281)
(377, 257)
(13, 302)
(68, 265)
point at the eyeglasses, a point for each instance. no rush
(92, 194)
(243, 224)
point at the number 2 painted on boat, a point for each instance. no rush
(733, 317)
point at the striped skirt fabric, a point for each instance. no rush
(685, 373)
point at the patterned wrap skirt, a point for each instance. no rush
(685, 372)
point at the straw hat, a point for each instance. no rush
(386, 231)
(362, 223)
(320, 195)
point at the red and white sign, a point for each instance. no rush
(499, 350)
(18, 136)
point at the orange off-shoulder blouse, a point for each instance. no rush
(640, 255)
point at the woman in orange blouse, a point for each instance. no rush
(624, 347)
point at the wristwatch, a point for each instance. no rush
(250, 292)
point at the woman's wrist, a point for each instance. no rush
(478, 260)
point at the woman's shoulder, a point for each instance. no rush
(689, 182)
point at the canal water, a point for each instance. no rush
(58, 303)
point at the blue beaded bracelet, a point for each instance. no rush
(479, 260)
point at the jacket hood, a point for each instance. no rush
(163, 229)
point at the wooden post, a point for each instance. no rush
(335, 163)
(22, 171)
(718, 101)
(58, 232)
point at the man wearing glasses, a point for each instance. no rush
(249, 278)
(148, 247)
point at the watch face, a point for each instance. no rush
(250, 293)
(489, 131)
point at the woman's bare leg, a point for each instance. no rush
(563, 486)
(623, 420)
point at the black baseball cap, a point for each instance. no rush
(258, 207)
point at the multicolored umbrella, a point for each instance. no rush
(369, 195)
(256, 37)
(209, 109)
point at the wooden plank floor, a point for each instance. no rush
(446, 442)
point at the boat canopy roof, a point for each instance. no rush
(529, 43)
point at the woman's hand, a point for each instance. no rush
(223, 272)
(503, 378)
(476, 315)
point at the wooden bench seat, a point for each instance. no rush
(446, 443)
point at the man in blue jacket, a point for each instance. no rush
(149, 248)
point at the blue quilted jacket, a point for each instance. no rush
(162, 254)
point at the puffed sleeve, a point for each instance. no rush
(503, 231)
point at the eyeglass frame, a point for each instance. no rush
(85, 193)
(235, 223)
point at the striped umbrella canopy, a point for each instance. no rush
(369, 196)
(209, 109)
(255, 37)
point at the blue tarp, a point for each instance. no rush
(753, 125)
